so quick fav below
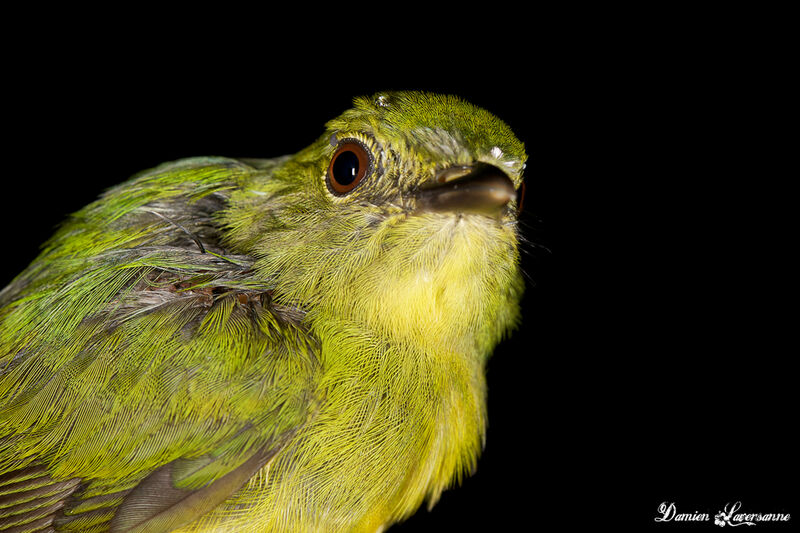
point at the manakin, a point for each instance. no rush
(290, 344)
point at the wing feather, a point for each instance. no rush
(144, 378)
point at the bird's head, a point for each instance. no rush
(402, 217)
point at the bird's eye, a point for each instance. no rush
(350, 165)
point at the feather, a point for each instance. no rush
(157, 505)
(30, 499)
(111, 376)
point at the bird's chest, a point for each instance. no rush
(380, 443)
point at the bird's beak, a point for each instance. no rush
(478, 188)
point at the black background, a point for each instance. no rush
(653, 361)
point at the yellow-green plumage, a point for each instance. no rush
(223, 345)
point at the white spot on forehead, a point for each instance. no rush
(497, 152)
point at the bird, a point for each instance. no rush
(289, 344)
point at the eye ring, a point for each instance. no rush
(350, 165)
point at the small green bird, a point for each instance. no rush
(290, 344)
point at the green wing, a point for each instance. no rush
(145, 375)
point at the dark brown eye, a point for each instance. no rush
(350, 164)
